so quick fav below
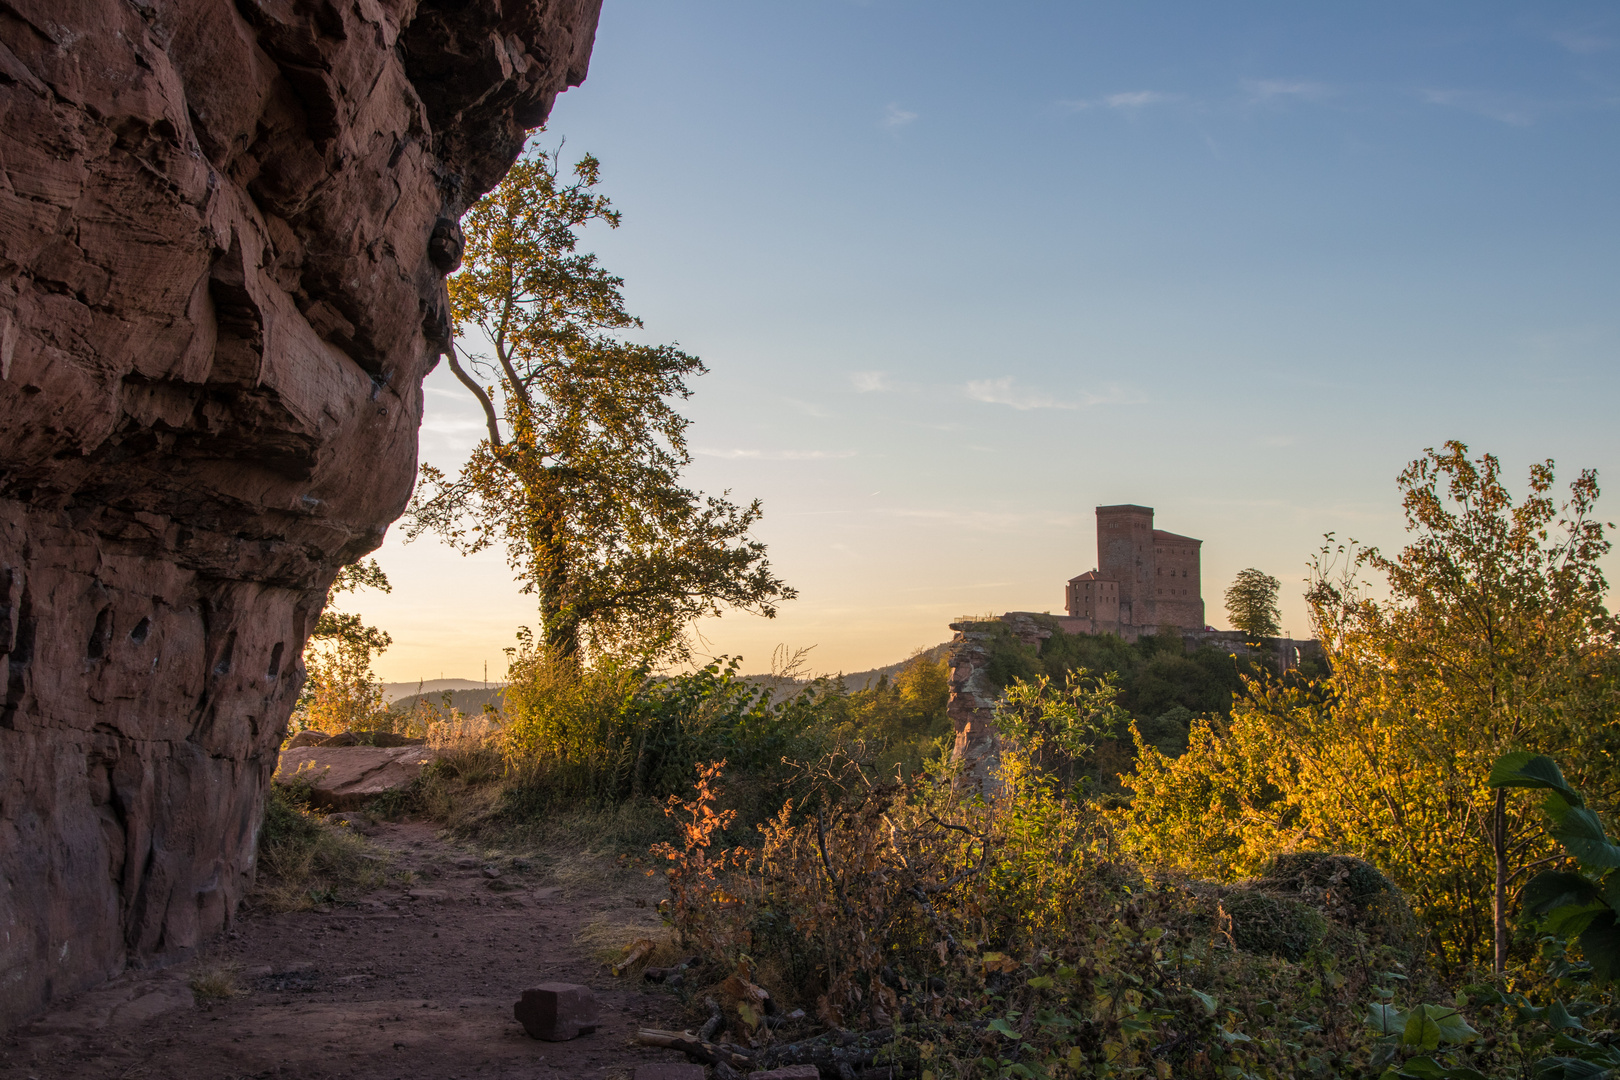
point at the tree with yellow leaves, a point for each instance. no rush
(578, 476)
(1487, 634)
(341, 692)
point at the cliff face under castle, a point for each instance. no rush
(224, 230)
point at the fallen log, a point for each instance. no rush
(690, 1044)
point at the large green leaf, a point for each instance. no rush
(1567, 922)
(1428, 1026)
(1567, 1068)
(1423, 1068)
(1600, 942)
(1385, 1019)
(1559, 1017)
(1582, 835)
(1552, 889)
(1526, 770)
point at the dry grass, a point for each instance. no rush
(217, 980)
(304, 862)
(609, 937)
(456, 731)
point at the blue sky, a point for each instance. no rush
(963, 272)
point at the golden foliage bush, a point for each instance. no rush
(1490, 637)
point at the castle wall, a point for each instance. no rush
(1092, 597)
(1177, 589)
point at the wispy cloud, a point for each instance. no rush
(1582, 43)
(1004, 392)
(1129, 99)
(1285, 89)
(1113, 394)
(980, 520)
(1136, 99)
(454, 425)
(776, 455)
(1492, 106)
(896, 117)
(870, 382)
(809, 408)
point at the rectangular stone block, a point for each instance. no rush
(788, 1072)
(557, 1012)
(669, 1071)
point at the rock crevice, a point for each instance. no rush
(223, 244)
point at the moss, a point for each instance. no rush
(1272, 925)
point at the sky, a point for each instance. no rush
(962, 272)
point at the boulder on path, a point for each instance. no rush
(557, 1012)
(348, 777)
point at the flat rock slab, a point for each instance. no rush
(348, 777)
(123, 1004)
(788, 1072)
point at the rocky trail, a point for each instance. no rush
(409, 982)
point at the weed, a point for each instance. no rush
(304, 862)
(217, 980)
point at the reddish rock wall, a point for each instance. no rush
(223, 234)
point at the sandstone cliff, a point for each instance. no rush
(224, 229)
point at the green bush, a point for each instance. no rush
(303, 861)
(1349, 891)
(1270, 925)
(610, 732)
(1158, 678)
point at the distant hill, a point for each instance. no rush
(470, 702)
(865, 680)
(470, 695)
(393, 691)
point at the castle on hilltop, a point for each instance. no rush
(1147, 582)
(1145, 579)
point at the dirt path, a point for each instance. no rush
(404, 985)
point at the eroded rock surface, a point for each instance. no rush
(349, 777)
(224, 229)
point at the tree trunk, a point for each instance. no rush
(1499, 907)
(559, 620)
(563, 637)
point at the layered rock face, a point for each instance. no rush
(224, 229)
(972, 704)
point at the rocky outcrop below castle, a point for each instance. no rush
(224, 230)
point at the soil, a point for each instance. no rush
(414, 981)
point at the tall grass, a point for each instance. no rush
(304, 862)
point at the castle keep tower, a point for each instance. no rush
(1125, 556)
(1146, 578)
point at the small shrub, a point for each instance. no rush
(1348, 891)
(303, 861)
(217, 981)
(1273, 925)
